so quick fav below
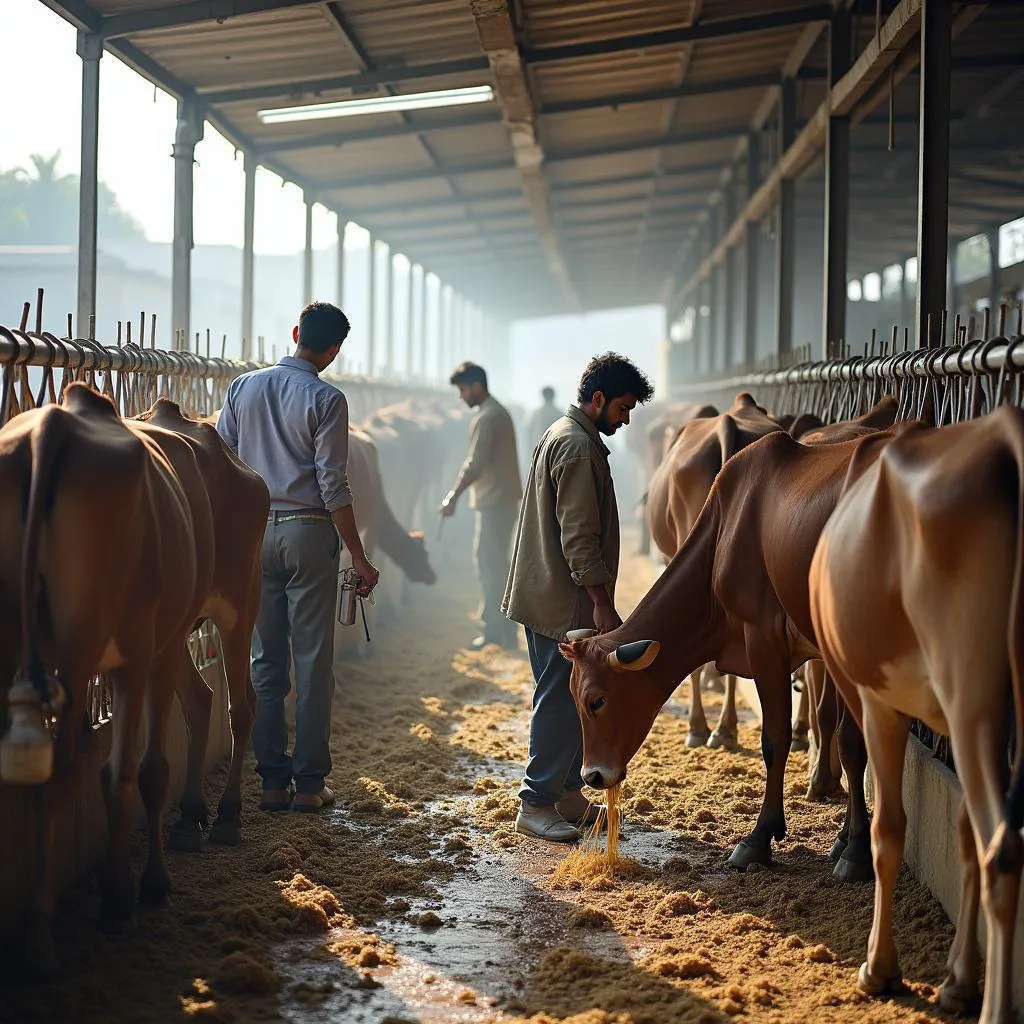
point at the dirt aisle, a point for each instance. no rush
(415, 901)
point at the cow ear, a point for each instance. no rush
(565, 649)
(634, 657)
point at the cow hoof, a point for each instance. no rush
(819, 791)
(799, 743)
(723, 740)
(154, 892)
(226, 833)
(697, 739)
(185, 840)
(962, 1000)
(837, 848)
(873, 985)
(854, 871)
(37, 952)
(746, 854)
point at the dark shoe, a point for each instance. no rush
(578, 810)
(276, 799)
(545, 822)
(313, 802)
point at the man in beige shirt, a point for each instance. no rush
(491, 475)
(564, 565)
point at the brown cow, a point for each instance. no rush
(381, 528)
(736, 593)
(239, 500)
(107, 541)
(917, 601)
(676, 495)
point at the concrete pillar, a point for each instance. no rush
(443, 329)
(730, 275)
(339, 287)
(248, 258)
(421, 356)
(995, 276)
(90, 49)
(837, 191)
(389, 313)
(307, 253)
(933, 166)
(189, 133)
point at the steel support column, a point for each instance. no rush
(409, 321)
(189, 132)
(785, 235)
(90, 49)
(442, 328)
(837, 190)
(389, 315)
(248, 259)
(731, 261)
(307, 253)
(933, 165)
(421, 359)
(752, 254)
(339, 287)
(995, 276)
(371, 339)
(714, 292)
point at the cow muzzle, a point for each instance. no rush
(602, 777)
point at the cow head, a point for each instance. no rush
(416, 565)
(617, 701)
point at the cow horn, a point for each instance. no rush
(634, 657)
(580, 634)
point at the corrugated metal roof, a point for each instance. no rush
(623, 176)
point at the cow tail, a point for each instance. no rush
(1014, 809)
(47, 441)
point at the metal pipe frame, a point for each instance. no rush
(371, 320)
(785, 235)
(307, 253)
(189, 132)
(339, 286)
(90, 49)
(389, 314)
(409, 321)
(248, 258)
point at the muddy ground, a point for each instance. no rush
(414, 899)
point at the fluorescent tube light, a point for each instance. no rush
(379, 105)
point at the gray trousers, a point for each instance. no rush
(492, 549)
(556, 738)
(295, 623)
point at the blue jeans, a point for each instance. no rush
(556, 738)
(295, 624)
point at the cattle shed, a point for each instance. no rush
(740, 164)
(748, 166)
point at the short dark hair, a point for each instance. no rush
(614, 376)
(322, 326)
(466, 374)
(548, 394)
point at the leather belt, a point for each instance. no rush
(286, 515)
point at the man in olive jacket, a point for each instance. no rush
(564, 565)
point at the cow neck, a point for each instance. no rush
(680, 611)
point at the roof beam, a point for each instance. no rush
(416, 174)
(641, 145)
(153, 19)
(444, 202)
(365, 80)
(685, 34)
(496, 30)
(393, 131)
(881, 52)
(658, 95)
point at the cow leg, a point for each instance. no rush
(699, 731)
(118, 780)
(776, 736)
(961, 991)
(980, 732)
(726, 733)
(227, 829)
(154, 771)
(853, 851)
(824, 782)
(885, 732)
(802, 725)
(196, 699)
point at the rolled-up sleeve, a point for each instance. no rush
(227, 425)
(579, 519)
(330, 444)
(481, 447)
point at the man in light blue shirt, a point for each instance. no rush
(292, 428)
